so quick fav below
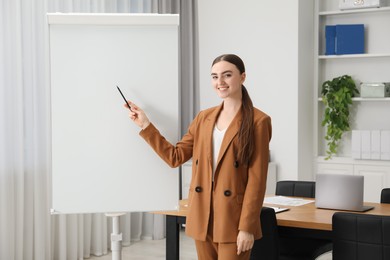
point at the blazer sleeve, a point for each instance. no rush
(257, 177)
(173, 155)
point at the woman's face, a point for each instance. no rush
(227, 80)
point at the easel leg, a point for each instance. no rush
(116, 238)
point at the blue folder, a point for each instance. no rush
(344, 39)
(349, 39)
(330, 37)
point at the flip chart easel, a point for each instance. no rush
(99, 162)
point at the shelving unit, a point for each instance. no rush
(366, 113)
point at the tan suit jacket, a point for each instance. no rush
(238, 190)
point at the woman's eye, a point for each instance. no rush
(227, 75)
(214, 77)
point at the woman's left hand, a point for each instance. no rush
(245, 241)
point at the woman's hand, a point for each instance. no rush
(245, 241)
(138, 115)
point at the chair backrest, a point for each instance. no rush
(305, 189)
(267, 248)
(385, 195)
(360, 236)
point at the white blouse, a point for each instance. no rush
(217, 141)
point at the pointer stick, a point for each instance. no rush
(124, 98)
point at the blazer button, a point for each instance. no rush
(198, 189)
(227, 193)
(236, 164)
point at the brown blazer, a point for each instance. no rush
(238, 191)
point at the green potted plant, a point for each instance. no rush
(337, 96)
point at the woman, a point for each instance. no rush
(229, 147)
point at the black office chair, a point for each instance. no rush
(385, 195)
(360, 236)
(267, 248)
(305, 189)
(299, 248)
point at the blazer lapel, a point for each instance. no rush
(209, 128)
(231, 132)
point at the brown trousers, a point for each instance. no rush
(208, 250)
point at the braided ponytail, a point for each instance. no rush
(246, 132)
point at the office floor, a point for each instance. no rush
(155, 250)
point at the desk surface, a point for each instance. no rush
(306, 216)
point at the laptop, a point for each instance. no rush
(340, 192)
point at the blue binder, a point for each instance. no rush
(330, 39)
(349, 39)
(344, 39)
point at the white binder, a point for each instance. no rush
(385, 144)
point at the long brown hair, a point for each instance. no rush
(246, 132)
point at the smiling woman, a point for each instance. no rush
(224, 200)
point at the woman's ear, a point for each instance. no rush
(243, 77)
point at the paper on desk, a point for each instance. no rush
(286, 201)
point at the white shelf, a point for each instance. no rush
(351, 56)
(354, 11)
(349, 160)
(360, 99)
(371, 99)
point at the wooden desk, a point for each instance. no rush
(310, 217)
(306, 221)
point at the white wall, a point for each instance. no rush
(265, 35)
